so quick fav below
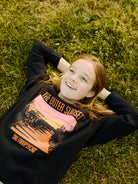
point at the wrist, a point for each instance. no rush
(63, 65)
(104, 94)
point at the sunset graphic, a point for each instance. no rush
(41, 125)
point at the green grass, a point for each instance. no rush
(107, 29)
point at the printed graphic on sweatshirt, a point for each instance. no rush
(60, 106)
(41, 126)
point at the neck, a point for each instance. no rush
(66, 99)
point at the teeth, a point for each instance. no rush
(69, 85)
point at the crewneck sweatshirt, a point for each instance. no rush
(41, 135)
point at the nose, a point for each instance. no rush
(74, 77)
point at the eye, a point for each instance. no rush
(84, 79)
(71, 70)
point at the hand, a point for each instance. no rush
(104, 94)
(63, 65)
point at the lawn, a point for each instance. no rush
(107, 29)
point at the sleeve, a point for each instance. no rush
(124, 122)
(38, 58)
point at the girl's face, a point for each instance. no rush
(78, 81)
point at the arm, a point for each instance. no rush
(115, 126)
(120, 105)
(38, 58)
(116, 102)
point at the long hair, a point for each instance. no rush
(95, 109)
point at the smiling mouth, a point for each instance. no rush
(70, 86)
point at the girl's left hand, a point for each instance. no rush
(104, 94)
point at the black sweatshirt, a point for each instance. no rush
(40, 135)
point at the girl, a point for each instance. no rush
(45, 129)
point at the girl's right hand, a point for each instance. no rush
(63, 65)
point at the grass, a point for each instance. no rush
(107, 29)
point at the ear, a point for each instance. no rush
(90, 94)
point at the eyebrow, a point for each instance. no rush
(83, 72)
(87, 76)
